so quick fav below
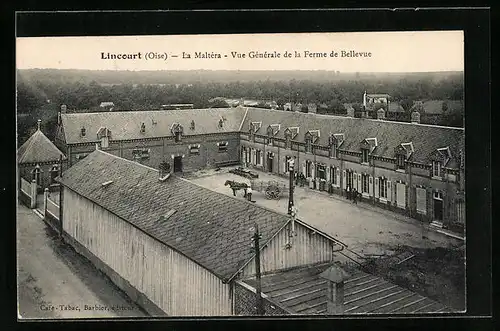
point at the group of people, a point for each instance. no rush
(300, 179)
(352, 194)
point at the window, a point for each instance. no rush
(83, 132)
(400, 161)
(333, 150)
(321, 171)
(221, 123)
(258, 156)
(194, 149)
(192, 127)
(54, 172)
(177, 136)
(222, 147)
(350, 179)
(365, 182)
(308, 169)
(364, 155)
(383, 187)
(37, 175)
(436, 169)
(333, 176)
(141, 153)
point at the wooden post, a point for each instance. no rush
(291, 170)
(258, 292)
(61, 199)
(33, 194)
(45, 197)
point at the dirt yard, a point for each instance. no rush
(438, 273)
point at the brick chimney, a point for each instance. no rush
(415, 117)
(381, 114)
(61, 111)
(335, 295)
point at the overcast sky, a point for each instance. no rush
(390, 52)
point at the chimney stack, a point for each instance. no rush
(415, 117)
(39, 122)
(335, 295)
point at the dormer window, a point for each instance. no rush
(104, 134)
(192, 125)
(177, 131)
(333, 144)
(400, 161)
(436, 169)
(83, 131)
(221, 123)
(143, 128)
(364, 155)
(288, 138)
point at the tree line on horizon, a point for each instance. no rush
(42, 98)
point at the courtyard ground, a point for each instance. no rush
(437, 269)
(56, 282)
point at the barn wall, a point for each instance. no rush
(171, 281)
(306, 248)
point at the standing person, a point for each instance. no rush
(348, 191)
(249, 194)
(354, 196)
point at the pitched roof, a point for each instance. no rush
(37, 149)
(389, 134)
(212, 229)
(126, 125)
(304, 291)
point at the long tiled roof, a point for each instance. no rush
(425, 138)
(303, 291)
(212, 229)
(125, 125)
(37, 149)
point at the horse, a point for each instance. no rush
(235, 186)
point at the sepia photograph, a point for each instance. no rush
(277, 174)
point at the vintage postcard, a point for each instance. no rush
(241, 175)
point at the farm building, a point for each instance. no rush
(174, 247)
(409, 168)
(39, 160)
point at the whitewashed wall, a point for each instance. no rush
(306, 248)
(173, 282)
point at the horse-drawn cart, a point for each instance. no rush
(272, 189)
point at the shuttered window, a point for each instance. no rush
(401, 195)
(421, 200)
(365, 183)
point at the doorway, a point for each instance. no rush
(178, 164)
(270, 162)
(438, 206)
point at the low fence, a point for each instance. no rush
(51, 212)
(27, 193)
(26, 187)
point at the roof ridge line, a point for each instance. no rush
(234, 198)
(129, 161)
(29, 145)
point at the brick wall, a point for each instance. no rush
(244, 304)
(163, 149)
